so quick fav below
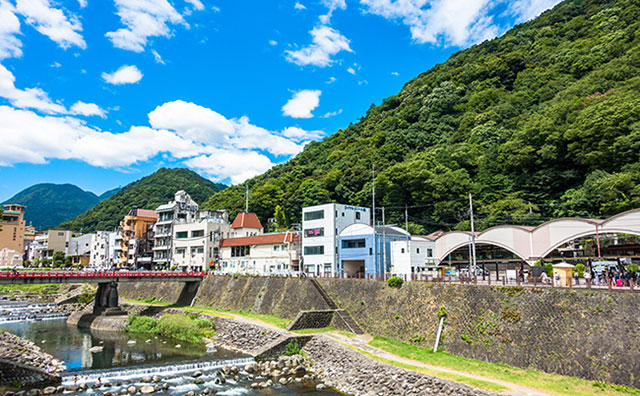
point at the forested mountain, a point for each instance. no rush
(541, 122)
(107, 194)
(50, 204)
(147, 193)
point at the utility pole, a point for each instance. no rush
(384, 243)
(473, 238)
(373, 201)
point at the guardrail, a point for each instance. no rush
(100, 274)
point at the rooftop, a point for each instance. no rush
(151, 214)
(246, 220)
(265, 239)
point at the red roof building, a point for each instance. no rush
(246, 220)
(264, 239)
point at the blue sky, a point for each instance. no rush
(102, 93)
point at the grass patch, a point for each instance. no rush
(312, 331)
(477, 383)
(271, 319)
(177, 327)
(46, 288)
(153, 302)
(553, 383)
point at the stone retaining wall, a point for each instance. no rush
(311, 320)
(22, 363)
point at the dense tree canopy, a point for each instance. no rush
(541, 122)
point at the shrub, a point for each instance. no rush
(141, 324)
(580, 270)
(178, 327)
(548, 268)
(149, 300)
(633, 267)
(395, 281)
(293, 348)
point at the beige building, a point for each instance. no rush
(12, 227)
(266, 254)
(48, 242)
(135, 240)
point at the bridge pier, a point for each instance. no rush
(106, 301)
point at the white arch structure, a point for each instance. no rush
(533, 243)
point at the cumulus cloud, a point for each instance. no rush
(197, 4)
(126, 74)
(33, 98)
(299, 6)
(88, 109)
(300, 134)
(144, 19)
(526, 10)
(52, 22)
(351, 71)
(82, 3)
(302, 103)
(332, 113)
(239, 165)
(10, 46)
(325, 42)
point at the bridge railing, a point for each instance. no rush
(101, 274)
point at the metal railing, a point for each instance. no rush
(100, 274)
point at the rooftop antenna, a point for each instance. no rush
(246, 203)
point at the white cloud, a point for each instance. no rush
(126, 74)
(197, 4)
(326, 42)
(143, 19)
(88, 109)
(302, 103)
(528, 9)
(82, 3)
(55, 65)
(52, 22)
(363, 82)
(395, 74)
(273, 42)
(331, 80)
(300, 134)
(10, 46)
(34, 98)
(332, 113)
(299, 6)
(157, 57)
(351, 71)
(237, 165)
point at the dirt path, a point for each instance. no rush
(361, 343)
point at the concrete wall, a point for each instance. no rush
(590, 334)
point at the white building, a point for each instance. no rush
(49, 241)
(10, 258)
(104, 249)
(181, 210)
(321, 225)
(412, 256)
(246, 224)
(196, 246)
(266, 254)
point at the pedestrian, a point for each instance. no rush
(99, 381)
(587, 277)
(558, 279)
(75, 380)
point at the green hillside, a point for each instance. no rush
(50, 204)
(543, 121)
(146, 193)
(107, 194)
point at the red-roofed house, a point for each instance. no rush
(246, 224)
(263, 254)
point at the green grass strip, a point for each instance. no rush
(547, 382)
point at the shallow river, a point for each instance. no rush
(115, 359)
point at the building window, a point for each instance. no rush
(196, 249)
(276, 248)
(370, 251)
(402, 250)
(357, 215)
(342, 214)
(60, 233)
(429, 253)
(239, 251)
(353, 243)
(418, 250)
(182, 234)
(315, 215)
(197, 233)
(314, 232)
(313, 250)
(180, 251)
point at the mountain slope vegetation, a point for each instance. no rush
(147, 193)
(50, 204)
(543, 121)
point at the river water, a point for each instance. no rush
(122, 359)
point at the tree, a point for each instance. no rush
(58, 258)
(281, 217)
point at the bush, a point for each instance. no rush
(633, 268)
(293, 348)
(177, 327)
(580, 270)
(548, 268)
(141, 324)
(395, 281)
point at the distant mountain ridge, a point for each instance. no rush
(147, 193)
(49, 204)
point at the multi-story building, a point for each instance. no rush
(29, 236)
(266, 254)
(412, 256)
(363, 251)
(196, 246)
(103, 249)
(80, 249)
(181, 210)
(50, 241)
(321, 225)
(246, 224)
(12, 227)
(135, 239)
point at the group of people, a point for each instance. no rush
(612, 275)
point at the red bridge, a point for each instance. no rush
(41, 277)
(106, 301)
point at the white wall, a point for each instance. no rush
(262, 260)
(414, 253)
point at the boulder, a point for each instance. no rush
(132, 390)
(196, 374)
(147, 389)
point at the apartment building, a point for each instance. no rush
(134, 242)
(80, 249)
(182, 210)
(196, 246)
(103, 249)
(321, 226)
(265, 254)
(50, 241)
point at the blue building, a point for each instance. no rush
(356, 251)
